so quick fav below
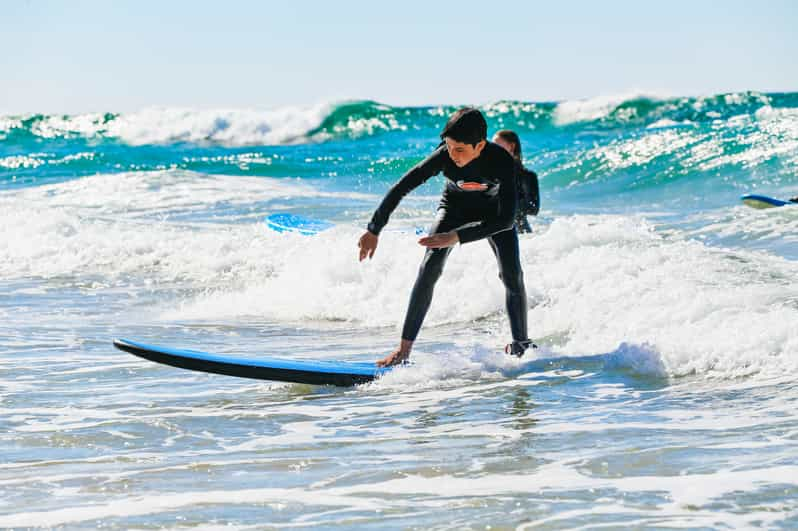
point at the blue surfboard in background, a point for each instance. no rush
(763, 201)
(284, 222)
(298, 224)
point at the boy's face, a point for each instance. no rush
(460, 153)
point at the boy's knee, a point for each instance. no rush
(431, 269)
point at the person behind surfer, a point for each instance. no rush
(527, 180)
(479, 202)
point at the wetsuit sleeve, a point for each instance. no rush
(508, 202)
(414, 178)
(534, 203)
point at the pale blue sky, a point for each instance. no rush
(77, 56)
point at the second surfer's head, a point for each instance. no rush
(465, 135)
(509, 141)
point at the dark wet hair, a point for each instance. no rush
(512, 137)
(467, 125)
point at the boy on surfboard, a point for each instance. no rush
(479, 202)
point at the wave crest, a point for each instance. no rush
(357, 119)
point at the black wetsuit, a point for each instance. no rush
(474, 215)
(528, 197)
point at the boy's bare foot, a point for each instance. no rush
(399, 355)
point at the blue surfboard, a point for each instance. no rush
(340, 373)
(763, 201)
(295, 223)
(284, 222)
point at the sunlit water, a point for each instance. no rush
(663, 393)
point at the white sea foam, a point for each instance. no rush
(665, 122)
(233, 127)
(228, 127)
(595, 283)
(573, 111)
(8, 123)
(14, 162)
(704, 310)
(120, 224)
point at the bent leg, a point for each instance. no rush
(421, 296)
(428, 274)
(505, 247)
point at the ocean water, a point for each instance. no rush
(663, 393)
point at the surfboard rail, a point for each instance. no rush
(763, 201)
(342, 374)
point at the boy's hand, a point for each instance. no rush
(438, 241)
(367, 244)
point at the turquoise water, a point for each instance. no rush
(663, 394)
